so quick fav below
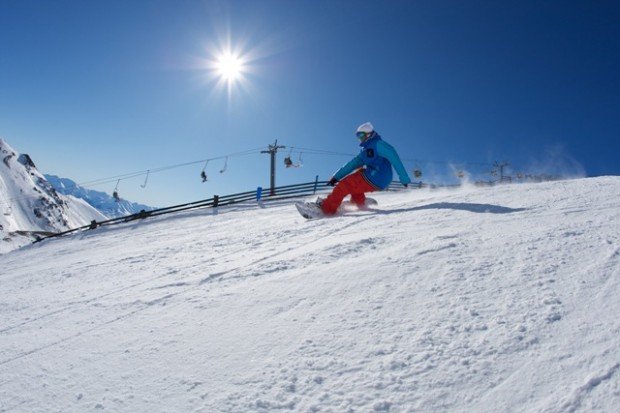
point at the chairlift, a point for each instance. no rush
(288, 162)
(115, 193)
(417, 173)
(146, 180)
(203, 174)
(225, 166)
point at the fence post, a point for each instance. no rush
(259, 193)
(316, 184)
(216, 201)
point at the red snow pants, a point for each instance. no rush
(355, 185)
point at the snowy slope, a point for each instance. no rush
(476, 300)
(28, 203)
(101, 201)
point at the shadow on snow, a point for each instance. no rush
(477, 208)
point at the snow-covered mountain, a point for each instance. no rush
(499, 299)
(29, 204)
(101, 201)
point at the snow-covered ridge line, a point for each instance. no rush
(30, 205)
(103, 202)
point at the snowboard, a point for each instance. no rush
(369, 202)
(311, 210)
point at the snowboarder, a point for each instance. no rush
(369, 171)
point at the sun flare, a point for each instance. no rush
(229, 67)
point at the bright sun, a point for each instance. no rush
(229, 67)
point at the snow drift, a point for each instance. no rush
(482, 299)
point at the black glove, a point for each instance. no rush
(332, 182)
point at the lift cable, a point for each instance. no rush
(161, 169)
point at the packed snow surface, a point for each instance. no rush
(479, 300)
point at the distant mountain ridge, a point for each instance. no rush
(101, 201)
(29, 204)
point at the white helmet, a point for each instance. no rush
(365, 127)
(364, 131)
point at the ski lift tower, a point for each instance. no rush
(273, 149)
(500, 167)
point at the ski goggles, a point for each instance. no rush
(362, 136)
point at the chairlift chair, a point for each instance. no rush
(288, 161)
(203, 174)
(225, 166)
(146, 180)
(115, 193)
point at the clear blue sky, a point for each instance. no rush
(95, 89)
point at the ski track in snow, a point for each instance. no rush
(483, 299)
(236, 272)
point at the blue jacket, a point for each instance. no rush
(377, 157)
